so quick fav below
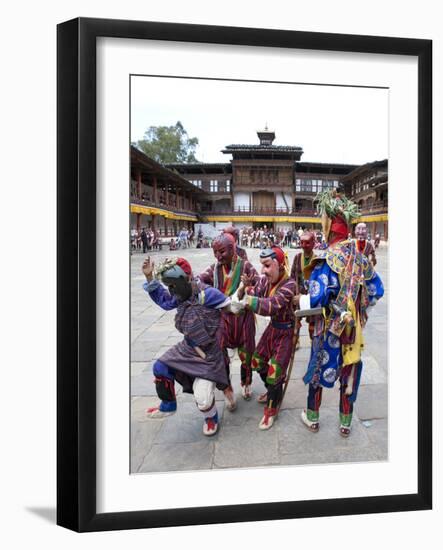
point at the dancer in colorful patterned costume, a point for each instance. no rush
(301, 261)
(363, 245)
(272, 297)
(343, 281)
(196, 362)
(241, 252)
(237, 331)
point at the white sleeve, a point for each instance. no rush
(305, 301)
(224, 304)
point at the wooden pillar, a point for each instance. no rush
(139, 184)
(138, 221)
(177, 197)
(385, 230)
(166, 195)
(154, 180)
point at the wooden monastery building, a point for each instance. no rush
(262, 184)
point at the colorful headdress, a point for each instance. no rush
(337, 212)
(278, 254)
(169, 263)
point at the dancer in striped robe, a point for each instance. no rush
(196, 362)
(363, 245)
(272, 297)
(301, 261)
(236, 331)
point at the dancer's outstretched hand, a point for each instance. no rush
(148, 268)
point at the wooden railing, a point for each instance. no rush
(374, 208)
(379, 207)
(161, 204)
(261, 211)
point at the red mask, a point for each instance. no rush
(307, 243)
(223, 247)
(339, 230)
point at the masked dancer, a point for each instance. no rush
(272, 297)
(363, 244)
(237, 331)
(241, 252)
(344, 283)
(300, 262)
(196, 362)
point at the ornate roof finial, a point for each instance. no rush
(266, 136)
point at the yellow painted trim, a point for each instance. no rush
(292, 219)
(372, 218)
(153, 211)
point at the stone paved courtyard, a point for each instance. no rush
(176, 443)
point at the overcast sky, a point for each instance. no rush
(331, 124)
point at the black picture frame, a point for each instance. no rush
(76, 277)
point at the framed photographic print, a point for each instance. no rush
(244, 278)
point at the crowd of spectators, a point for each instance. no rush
(264, 236)
(148, 239)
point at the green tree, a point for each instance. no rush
(168, 144)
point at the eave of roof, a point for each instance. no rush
(162, 170)
(368, 166)
(262, 148)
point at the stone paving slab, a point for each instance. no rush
(372, 401)
(297, 392)
(140, 367)
(246, 445)
(142, 433)
(183, 427)
(373, 372)
(334, 456)
(172, 457)
(296, 438)
(378, 434)
(143, 384)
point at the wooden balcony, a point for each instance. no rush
(161, 204)
(374, 208)
(264, 211)
(380, 207)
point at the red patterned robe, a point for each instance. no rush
(298, 265)
(241, 253)
(236, 331)
(367, 249)
(273, 352)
